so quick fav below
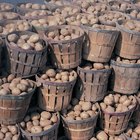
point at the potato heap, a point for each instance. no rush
(26, 42)
(36, 13)
(124, 6)
(135, 14)
(103, 27)
(36, 122)
(33, 6)
(96, 9)
(8, 15)
(95, 66)
(5, 6)
(132, 25)
(66, 11)
(118, 103)
(127, 61)
(16, 86)
(63, 34)
(82, 19)
(15, 25)
(9, 132)
(50, 21)
(112, 17)
(59, 76)
(133, 130)
(101, 135)
(80, 110)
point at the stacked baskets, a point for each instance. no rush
(65, 65)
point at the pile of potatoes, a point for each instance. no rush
(118, 103)
(5, 6)
(82, 19)
(120, 6)
(101, 135)
(36, 13)
(15, 25)
(26, 41)
(8, 15)
(133, 130)
(63, 34)
(96, 9)
(49, 21)
(59, 76)
(16, 86)
(127, 61)
(66, 11)
(112, 17)
(33, 6)
(9, 132)
(95, 66)
(103, 27)
(134, 14)
(37, 122)
(80, 110)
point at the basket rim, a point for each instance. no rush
(127, 30)
(92, 71)
(20, 49)
(53, 28)
(80, 121)
(120, 64)
(26, 133)
(19, 97)
(53, 83)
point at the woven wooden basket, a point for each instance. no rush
(54, 96)
(13, 108)
(115, 123)
(92, 84)
(128, 40)
(50, 134)
(66, 54)
(26, 63)
(79, 129)
(125, 78)
(99, 44)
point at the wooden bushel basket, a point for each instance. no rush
(79, 129)
(128, 44)
(13, 108)
(115, 123)
(54, 96)
(26, 63)
(92, 84)
(50, 134)
(66, 54)
(99, 44)
(125, 78)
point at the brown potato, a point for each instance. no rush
(36, 129)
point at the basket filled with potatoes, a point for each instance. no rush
(65, 45)
(125, 77)
(92, 81)
(15, 97)
(8, 16)
(27, 53)
(55, 88)
(10, 132)
(6, 7)
(111, 17)
(116, 112)
(99, 42)
(79, 119)
(40, 24)
(121, 6)
(65, 11)
(41, 125)
(129, 39)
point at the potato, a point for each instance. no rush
(51, 73)
(54, 118)
(86, 106)
(13, 130)
(36, 129)
(4, 92)
(110, 109)
(15, 137)
(10, 77)
(47, 127)
(38, 46)
(22, 124)
(108, 100)
(1, 136)
(46, 115)
(77, 108)
(123, 99)
(35, 122)
(8, 135)
(137, 130)
(103, 106)
(34, 38)
(77, 113)
(16, 91)
(84, 115)
(22, 87)
(27, 118)
(35, 116)
(4, 130)
(101, 135)
(44, 123)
